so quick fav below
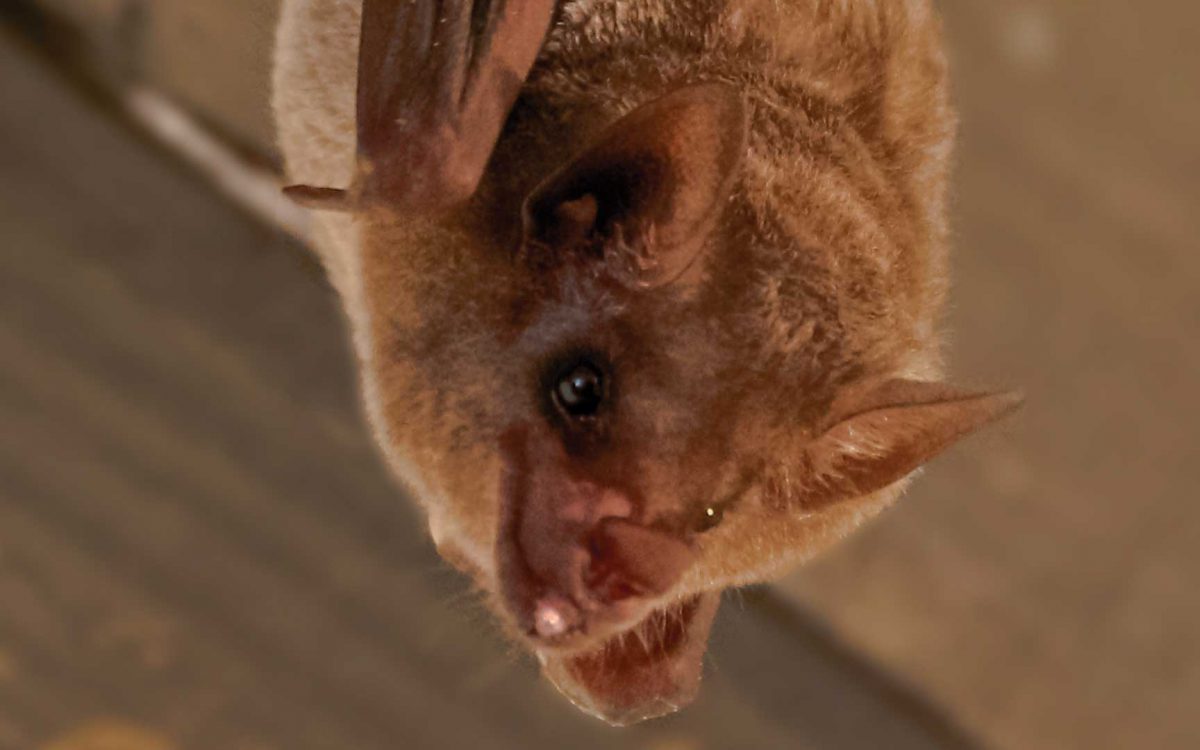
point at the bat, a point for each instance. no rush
(645, 294)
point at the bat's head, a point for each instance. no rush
(612, 407)
(625, 365)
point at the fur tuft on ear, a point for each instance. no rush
(652, 186)
(877, 435)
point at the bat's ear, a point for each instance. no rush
(877, 435)
(436, 82)
(656, 181)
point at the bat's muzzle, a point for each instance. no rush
(576, 563)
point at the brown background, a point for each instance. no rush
(198, 548)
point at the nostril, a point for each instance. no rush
(630, 560)
(616, 590)
(605, 578)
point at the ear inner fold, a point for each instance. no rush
(659, 178)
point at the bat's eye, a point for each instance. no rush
(580, 391)
(710, 518)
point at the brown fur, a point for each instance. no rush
(772, 381)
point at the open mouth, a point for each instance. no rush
(575, 562)
(647, 671)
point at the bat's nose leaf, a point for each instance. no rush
(633, 560)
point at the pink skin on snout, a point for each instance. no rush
(575, 564)
(554, 614)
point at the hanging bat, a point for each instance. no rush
(645, 294)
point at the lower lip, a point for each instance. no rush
(657, 635)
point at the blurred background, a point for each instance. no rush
(199, 548)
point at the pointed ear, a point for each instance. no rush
(436, 82)
(876, 436)
(656, 181)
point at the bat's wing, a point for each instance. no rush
(436, 80)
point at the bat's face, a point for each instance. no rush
(589, 454)
(596, 420)
(674, 362)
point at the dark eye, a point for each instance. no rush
(710, 518)
(713, 512)
(580, 391)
